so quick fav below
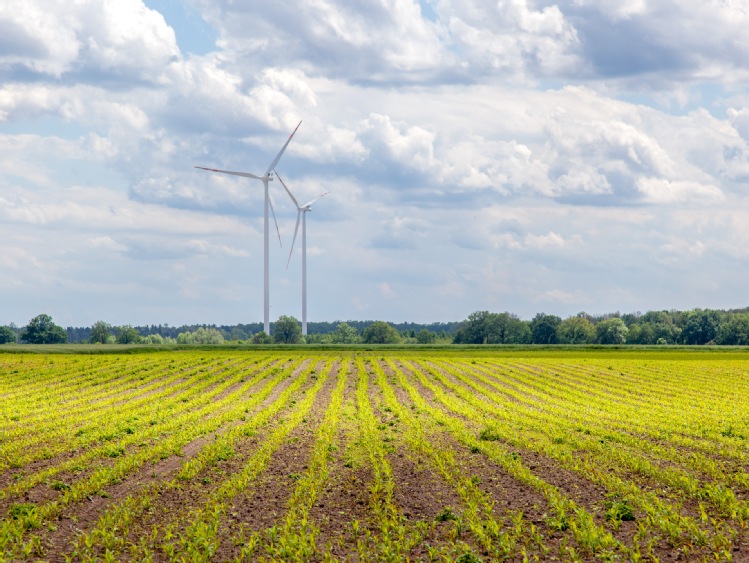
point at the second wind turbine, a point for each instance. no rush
(301, 213)
(265, 178)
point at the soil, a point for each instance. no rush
(82, 517)
(265, 503)
(345, 498)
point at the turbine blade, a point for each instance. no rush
(270, 203)
(287, 189)
(283, 148)
(314, 200)
(245, 174)
(298, 216)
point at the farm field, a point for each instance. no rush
(367, 455)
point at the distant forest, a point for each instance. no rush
(246, 331)
(692, 327)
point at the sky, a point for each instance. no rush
(509, 155)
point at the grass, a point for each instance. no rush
(564, 351)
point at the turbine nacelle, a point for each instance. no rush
(308, 206)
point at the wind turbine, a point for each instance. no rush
(301, 213)
(265, 178)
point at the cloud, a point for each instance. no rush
(363, 41)
(397, 142)
(739, 118)
(550, 240)
(162, 248)
(93, 40)
(504, 167)
(96, 209)
(510, 37)
(16, 258)
(107, 243)
(557, 296)
(385, 290)
(478, 154)
(662, 191)
(662, 43)
(399, 232)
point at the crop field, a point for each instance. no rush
(392, 455)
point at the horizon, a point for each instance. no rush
(596, 316)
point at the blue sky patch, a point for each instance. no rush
(194, 35)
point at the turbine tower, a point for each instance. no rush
(265, 178)
(301, 213)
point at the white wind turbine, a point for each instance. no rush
(301, 213)
(265, 178)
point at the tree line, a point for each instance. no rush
(286, 330)
(693, 327)
(317, 331)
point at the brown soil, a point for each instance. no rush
(345, 498)
(517, 496)
(81, 518)
(593, 498)
(44, 492)
(36, 466)
(265, 504)
(420, 491)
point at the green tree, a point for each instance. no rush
(286, 330)
(261, 338)
(344, 333)
(483, 327)
(734, 330)
(611, 331)
(201, 336)
(663, 326)
(7, 335)
(473, 330)
(544, 329)
(380, 332)
(668, 332)
(425, 336)
(153, 339)
(42, 330)
(635, 333)
(100, 333)
(128, 335)
(317, 338)
(641, 334)
(207, 336)
(576, 330)
(237, 334)
(506, 328)
(701, 327)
